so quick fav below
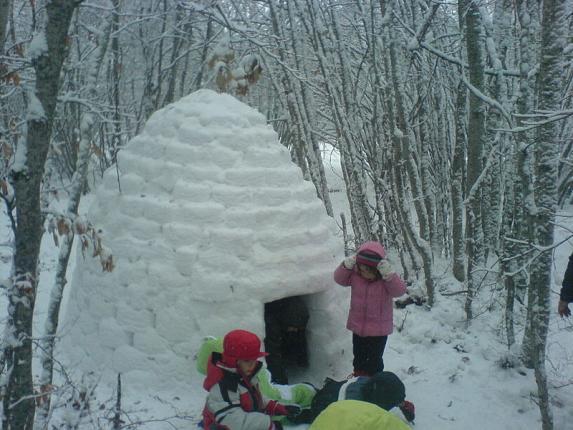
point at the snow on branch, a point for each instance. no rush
(421, 33)
(547, 118)
(488, 100)
(532, 248)
(460, 63)
(482, 176)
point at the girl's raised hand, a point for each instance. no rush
(349, 262)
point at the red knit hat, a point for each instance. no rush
(241, 345)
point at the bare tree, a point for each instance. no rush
(549, 86)
(70, 225)
(469, 12)
(5, 7)
(27, 175)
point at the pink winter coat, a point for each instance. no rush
(371, 311)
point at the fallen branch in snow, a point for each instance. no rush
(454, 293)
(567, 384)
(117, 421)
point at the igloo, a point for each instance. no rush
(208, 220)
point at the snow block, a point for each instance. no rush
(213, 220)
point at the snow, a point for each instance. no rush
(20, 160)
(38, 46)
(35, 109)
(413, 44)
(213, 221)
(453, 374)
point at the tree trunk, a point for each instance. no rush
(549, 87)
(300, 104)
(116, 76)
(51, 327)
(5, 6)
(458, 241)
(529, 18)
(404, 156)
(18, 400)
(198, 82)
(340, 100)
(476, 137)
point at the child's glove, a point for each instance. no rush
(563, 309)
(385, 269)
(292, 411)
(408, 410)
(349, 262)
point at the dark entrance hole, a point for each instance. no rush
(285, 337)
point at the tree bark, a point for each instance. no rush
(19, 405)
(476, 137)
(458, 245)
(5, 6)
(528, 14)
(51, 327)
(549, 87)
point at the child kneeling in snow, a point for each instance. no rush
(354, 415)
(384, 390)
(235, 401)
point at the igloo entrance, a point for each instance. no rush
(286, 337)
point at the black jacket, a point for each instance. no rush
(567, 289)
(384, 389)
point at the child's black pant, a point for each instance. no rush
(368, 353)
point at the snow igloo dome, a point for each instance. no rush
(208, 220)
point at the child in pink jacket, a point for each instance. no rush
(374, 284)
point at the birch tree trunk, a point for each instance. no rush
(300, 104)
(115, 76)
(529, 18)
(340, 97)
(18, 402)
(502, 35)
(458, 242)
(198, 81)
(492, 204)
(476, 138)
(51, 327)
(5, 6)
(404, 156)
(549, 87)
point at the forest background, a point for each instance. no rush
(453, 122)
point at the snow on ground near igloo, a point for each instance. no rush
(212, 221)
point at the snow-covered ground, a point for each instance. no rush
(452, 374)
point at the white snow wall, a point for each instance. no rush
(213, 220)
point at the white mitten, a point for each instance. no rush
(385, 269)
(349, 262)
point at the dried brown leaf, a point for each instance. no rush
(63, 227)
(4, 187)
(96, 150)
(80, 226)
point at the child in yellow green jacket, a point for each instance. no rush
(355, 414)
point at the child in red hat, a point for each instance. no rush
(374, 284)
(235, 401)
